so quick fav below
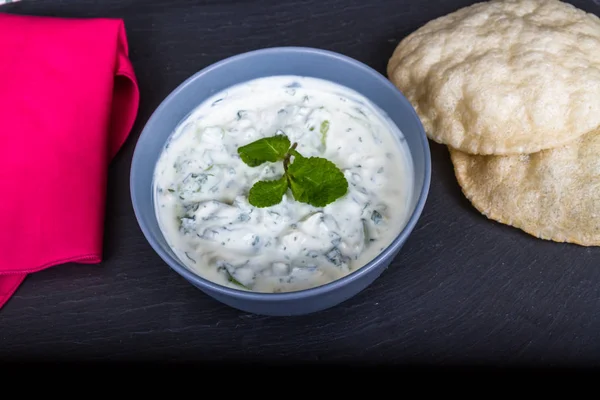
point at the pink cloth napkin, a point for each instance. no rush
(68, 100)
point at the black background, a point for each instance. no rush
(464, 290)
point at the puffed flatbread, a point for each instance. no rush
(553, 194)
(503, 77)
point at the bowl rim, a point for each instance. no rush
(242, 294)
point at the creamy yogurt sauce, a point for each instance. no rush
(201, 186)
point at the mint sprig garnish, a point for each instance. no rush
(312, 180)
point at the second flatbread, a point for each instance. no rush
(553, 194)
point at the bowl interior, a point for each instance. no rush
(275, 61)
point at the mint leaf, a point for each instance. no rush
(324, 129)
(316, 181)
(270, 149)
(268, 193)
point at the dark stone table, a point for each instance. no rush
(464, 290)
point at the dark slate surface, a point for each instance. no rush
(464, 290)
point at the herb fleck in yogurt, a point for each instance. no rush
(201, 186)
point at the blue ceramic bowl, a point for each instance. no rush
(277, 61)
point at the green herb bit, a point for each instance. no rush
(324, 129)
(231, 279)
(376, 217)
(312, 180)
(188, 256)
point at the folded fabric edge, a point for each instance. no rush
(80, 259)
(8, 286)
(11, 280)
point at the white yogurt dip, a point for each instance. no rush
(201, 186)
